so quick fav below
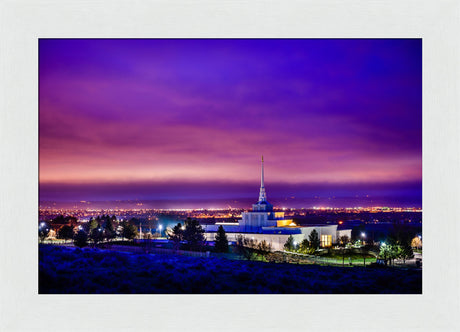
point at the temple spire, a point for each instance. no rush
(262, 194)
(262, 174)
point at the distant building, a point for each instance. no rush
(262, 223)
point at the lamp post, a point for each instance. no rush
(363, 236)
(160, 227)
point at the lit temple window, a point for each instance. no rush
(326, 240)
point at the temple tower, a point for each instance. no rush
(262, 205)
(262, 194)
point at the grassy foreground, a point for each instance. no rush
(70, 271)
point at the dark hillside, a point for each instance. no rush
(70, 270)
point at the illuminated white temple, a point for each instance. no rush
(262, 223)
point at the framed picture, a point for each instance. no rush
(274, 155)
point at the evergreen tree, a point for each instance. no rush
(176, 236)
(66, 232)
(314, 239)
(344, 240)
(221, 244)
(395, 252)
(109, 229)
(194, 235)
(243, 248)
(129, 231)
(289, 245)
(264, 248)
(92, 224)
(304, 246)
(406, 252)
(81, 239)
(97, 235)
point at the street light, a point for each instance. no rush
(363, 236)
(160, 227)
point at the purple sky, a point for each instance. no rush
(180, 119)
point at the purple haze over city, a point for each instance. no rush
(187, 120)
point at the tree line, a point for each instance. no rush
(190, 236)
(96, 230)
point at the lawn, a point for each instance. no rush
(71, 271)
